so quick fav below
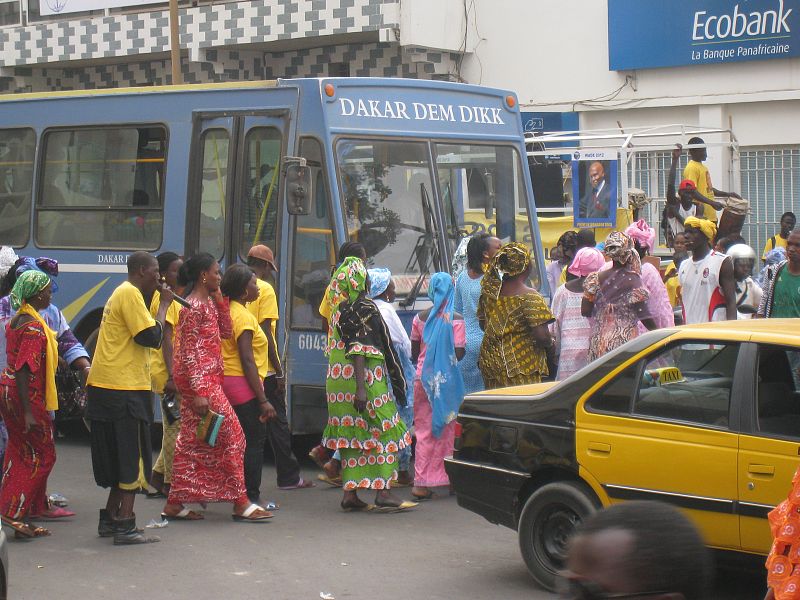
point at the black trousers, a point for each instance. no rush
(280, 438)
(255, 433)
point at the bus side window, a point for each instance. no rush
(262, 198)
(313, 247)
(102, 188)
(17, 149)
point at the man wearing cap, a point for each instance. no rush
(704, 193)
(706, 280)
(265, 308)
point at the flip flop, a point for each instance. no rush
(357, 507)
(21, 529)
(184, 514)
(390, 508)
(422, 498)
(300, 485)
(335, 482)
(252, 514)
(54, 514)
(156, 494)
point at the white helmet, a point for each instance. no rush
(741, 252)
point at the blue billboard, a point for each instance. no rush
(646, 34)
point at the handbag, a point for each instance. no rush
(71, 394)
(170, 408)
(208, 427)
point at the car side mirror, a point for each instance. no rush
(297, 187)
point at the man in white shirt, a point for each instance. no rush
(706, 280)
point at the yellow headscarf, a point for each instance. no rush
(28, 284)
(708, 228)
(512, 259)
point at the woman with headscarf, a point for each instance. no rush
(27, 393)
(571, 330)
(363, 423)
(480, 250)
(616, 298)
(515, 320)
(774, 257)
(658, 303)
(437, 344)
(382, 292)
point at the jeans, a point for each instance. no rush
(255, 433)
(280, 438)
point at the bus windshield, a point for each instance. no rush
(483, 191)
(388, 196)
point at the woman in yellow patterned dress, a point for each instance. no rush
(514, 318)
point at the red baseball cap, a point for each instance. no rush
(687, 184)
(264, 253)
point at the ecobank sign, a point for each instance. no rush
(655, 33)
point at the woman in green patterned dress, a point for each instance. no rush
(363, 423)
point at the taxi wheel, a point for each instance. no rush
(549, 518)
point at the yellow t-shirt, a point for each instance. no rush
(776, 241)
(325, 307)
(119, 363)
(698, 172)
(243, 320)
(563, 279)
(158, 368)
(673, 285)
(265, 307)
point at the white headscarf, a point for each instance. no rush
(7, 259)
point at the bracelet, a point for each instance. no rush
(84, 369)
(263, 401)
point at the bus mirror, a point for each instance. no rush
(298, 188)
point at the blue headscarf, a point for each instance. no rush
(441, 377)
(379, 280)
(48, 266)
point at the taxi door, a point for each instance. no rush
(769, 447)
(661, 430)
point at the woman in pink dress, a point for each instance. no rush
(572, 330)
(658, 304)
(438, 340)
(206, 471)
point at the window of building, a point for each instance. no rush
(778, 393)
(102, 188)
(9, 12)
(17, 150)
(314, 249)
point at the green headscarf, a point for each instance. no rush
(348, 281)
(29, 283)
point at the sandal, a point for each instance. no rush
(334, 481)
(252, 514)
(53, 513)
(319, 455)
(300, 485)
(21, 529)
(156, 494)
(395, 508)
(183, 515)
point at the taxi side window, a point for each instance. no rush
(778, 393)
(616, 396)
(688, 382)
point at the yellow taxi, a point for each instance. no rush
(704, 417)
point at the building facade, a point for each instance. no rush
(600, 61)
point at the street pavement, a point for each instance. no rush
(438, 551)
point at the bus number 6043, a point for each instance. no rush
(312, 341)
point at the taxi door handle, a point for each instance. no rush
(763, 470)
(599, 448)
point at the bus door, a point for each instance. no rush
(233, 193)
(311, 251)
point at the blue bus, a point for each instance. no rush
(406, 167)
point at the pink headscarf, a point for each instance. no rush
(643, 233)
(587, 260)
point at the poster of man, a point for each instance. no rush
(594, 189)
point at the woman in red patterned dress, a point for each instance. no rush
(201, 472)
(27, 392)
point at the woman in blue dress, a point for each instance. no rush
(480, 250)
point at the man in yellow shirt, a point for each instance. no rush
(705, 192)
(262, 261)
(119, 404)
(788, 221)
